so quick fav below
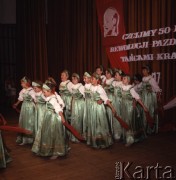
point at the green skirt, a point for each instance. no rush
(77, 113)
(116, 127)
(51, 140)
(127, 116)
(27, 121)
(150, 101)
(67, 109)
(98, 132)
(86, 116)
(39, 114)
(4, 155)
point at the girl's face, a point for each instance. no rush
(94, 81)
(64, 77)
(145, 72)
(125, 80)
(117, 77)
(87, 80)
(75, 80)
(99, 71)
(47, 93)
(37, 89)
(24, 84)
(108, 75)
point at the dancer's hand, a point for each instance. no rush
(100, 102)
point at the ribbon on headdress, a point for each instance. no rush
(35, 84)
(24, 79)
(87, 74)
(75, 75)
(46, 87)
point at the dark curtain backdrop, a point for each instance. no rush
(31, 39)
(74, 38)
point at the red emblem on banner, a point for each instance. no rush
(111, 20)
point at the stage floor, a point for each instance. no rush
(156, 153)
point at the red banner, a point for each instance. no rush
(111, 20)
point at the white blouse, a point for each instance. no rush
(53, 100)
(87, 86)
(80, 87)
(29, 91)
(101, 91)
(60, 101)
(153, 83)
(108, 81)
(67, 83)
(134, 94)
(117, 83)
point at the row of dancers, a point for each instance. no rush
(107, 108)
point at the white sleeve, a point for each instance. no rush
(154, 85)
(20, 97)
(81, 90)
(56, 105)
(114, 83)
(69, 86)
(60, 100)
(170, 104)
(134, 94)
(103, 94)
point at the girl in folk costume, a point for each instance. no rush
(53, 140)
(99, 71)
(117, 84)
(65, 92)
(40, 104)
(87, 92)
(77, 105)
(128, 95)
(98, 133)
(60, 100)
(27, 114)
(107, 84)
(150, 94)
(4, 155)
